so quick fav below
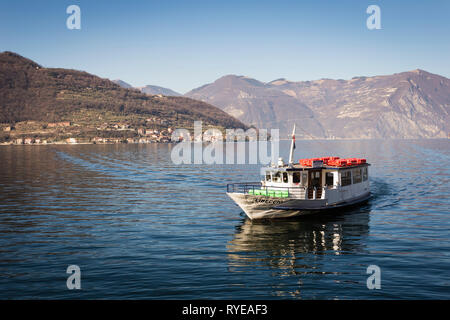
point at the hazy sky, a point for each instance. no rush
(185, 44)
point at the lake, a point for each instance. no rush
(141, 227)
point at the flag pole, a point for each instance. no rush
(291, 153)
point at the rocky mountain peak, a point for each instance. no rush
(411, 104)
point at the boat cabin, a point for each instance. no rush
(313, 178)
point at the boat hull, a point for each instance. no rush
(261, 207)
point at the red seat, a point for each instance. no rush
(306, 162)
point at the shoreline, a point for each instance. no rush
(79, 143)
(174, 142)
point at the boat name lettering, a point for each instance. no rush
(271, 201)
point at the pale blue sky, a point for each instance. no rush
(185, 44)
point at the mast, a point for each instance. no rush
(291, 153)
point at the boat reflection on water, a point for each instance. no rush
(301, 247)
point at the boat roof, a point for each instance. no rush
(333, 163)
(298, 167)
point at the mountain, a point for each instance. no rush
(123, 84)
(414, 104)
(254, 103)
(29, 91)
(153, 90)
(149, 89)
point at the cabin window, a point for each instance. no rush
(365, 174)
(296, 177)
(285, 177)
(329, 179)
(346, 178)
(277, 177)
(357, 177)
(304, 178)
(268, 176)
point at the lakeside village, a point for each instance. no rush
(56, 132)
(67, 132)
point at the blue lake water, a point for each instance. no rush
(141, 227)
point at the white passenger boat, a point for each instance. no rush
(306, 187)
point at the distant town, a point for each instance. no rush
(154, 130)
(67, 132)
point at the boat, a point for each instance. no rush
(309, 186)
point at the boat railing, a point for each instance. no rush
(257, 188)
(243, 187)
